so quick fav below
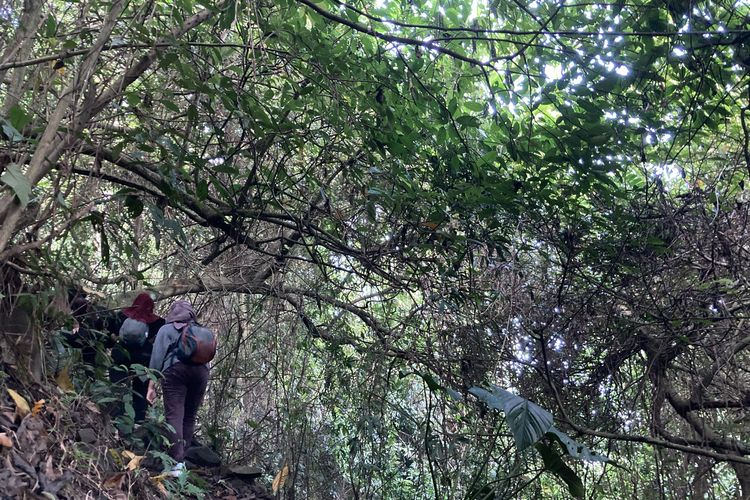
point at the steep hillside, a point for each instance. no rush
(57, 444)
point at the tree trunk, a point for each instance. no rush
(23, 41)
(700, 485)
(20, 343)
(743, 478)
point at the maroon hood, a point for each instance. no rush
(142, 309)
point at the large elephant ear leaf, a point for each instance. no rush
(554, 463)
(527, 421)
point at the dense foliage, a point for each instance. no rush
(396, 212)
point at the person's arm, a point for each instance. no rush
(159, 351)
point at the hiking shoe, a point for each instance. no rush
(178, 470)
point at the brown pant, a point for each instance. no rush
(184, 386)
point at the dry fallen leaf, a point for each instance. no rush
(32, 438)
(280, 480)
(114, 481)
(5, 440)
(162, 489)
(157, 480)
(49, 470)
(135, 462)
(38, 407)
(22, 407)
(91, 406)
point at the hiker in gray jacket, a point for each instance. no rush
(183, 384)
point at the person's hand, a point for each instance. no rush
(151, 392)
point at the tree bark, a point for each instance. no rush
(742, 472)
(54, 143)
(23, 41)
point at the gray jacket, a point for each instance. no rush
(161, 359)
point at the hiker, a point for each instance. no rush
(182, 350)
(139, 326)
(93, 332)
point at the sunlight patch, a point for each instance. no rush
(622, 70)
(552, 72)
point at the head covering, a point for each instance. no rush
(142, 309)
(79, 303)
(181, 313)
(79, 307)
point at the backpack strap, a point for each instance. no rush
(172, 349)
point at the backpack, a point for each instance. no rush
(133, 332)
(196, 345)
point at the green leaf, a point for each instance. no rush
(192, 112)
(468, 121)
(50, 27)
(134, 205)
(104, 246)
(201, 189)
(170, 105)
(369, 45)
(554, 463)
(655, 19)
(10, 131)
(129, 410)
(489, 158)
(228, 16)
(18, 182)
(452, 105)
(18, 117)
(474, 106)
(431, 382)
(370, 207)
(527, 421)
(655, 241)
(599, 140)
(435, 386)
(133, 99)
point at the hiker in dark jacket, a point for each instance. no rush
(127, 352)
(183, 385)
(93, 332)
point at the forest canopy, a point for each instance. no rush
(452, 248)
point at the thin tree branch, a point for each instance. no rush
(565, 33)
(73, 53)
